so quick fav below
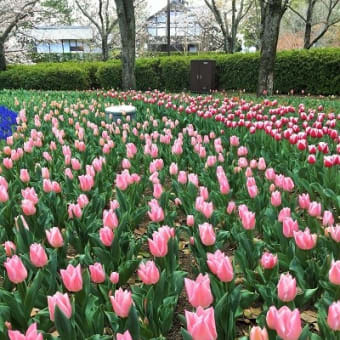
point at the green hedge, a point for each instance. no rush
(315, 71)
(45, 77)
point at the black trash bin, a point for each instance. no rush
(202, 75)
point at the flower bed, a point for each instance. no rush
(221, 207)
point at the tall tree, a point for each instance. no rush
(318, 13)
(271, 15)
(229, 26)
(12, 15)
(127, 27)
(21, 15)
(103, 16)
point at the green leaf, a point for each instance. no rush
(63, 325)
(185, 334)
(132, 324)
(32, 293)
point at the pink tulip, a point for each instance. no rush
(24, 176)
(242, 151)
(198, 291)
(30, 194)
(173, 169)
(148, 273)
(268, 260)
(45, 173)
(47, 185)
(68, 173)
(190, 220)
(201, 325)
(328, 218)
(284, 213)
(97, 273)
(286, 288)
(287, 184)
(106, 236)
(220, 265)
(131, 150)
(276, 198)
(114, 277)
(304, 201)
(182, 177)
(125, 336)
(82, 201)
(75, 164)
(156, 214)
(74, 210)
(86, 182)
(38, 255)
(204, 192)
(252, 191)
(334, 273)
(157, 191)
(231, 207)
(287, 323)
(333, 318)
(56, 187)
(256, 333)
(248, 220)
(63, 303)
(3, 194)
(72, 278)
(193, 178)
(8, 163)
(335, 233)
(304, 239)
(261, 165)
(28, 207)
(10, 248)
(207, 209)
(289, 227)
(110, 219)
(54, 237)
(234, 141)
(31, 334)
(121, 302)
(270, 174)
(158, 245)
(314, 209)
(16, 270)
(207, 234)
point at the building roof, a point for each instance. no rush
(63, 33)
(178, 5)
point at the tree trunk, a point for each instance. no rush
(2, 57)
(127, 27)
(105, 48)
(308, 27)
(270, 20)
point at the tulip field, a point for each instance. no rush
(208, 217)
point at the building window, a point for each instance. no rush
(76, 46)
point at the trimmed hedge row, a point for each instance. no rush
(315, 71)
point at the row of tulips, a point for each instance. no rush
(94, 214)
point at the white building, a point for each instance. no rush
(184, 28)
(63, 39)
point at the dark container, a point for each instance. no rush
(202, 75)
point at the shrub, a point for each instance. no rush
(109, 75)
(314, 71)
(45, 77)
